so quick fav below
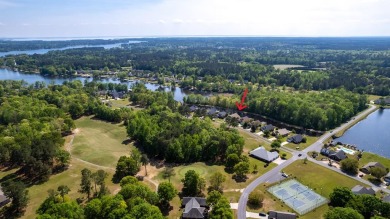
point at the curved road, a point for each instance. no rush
(316, 146)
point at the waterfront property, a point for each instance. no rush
(385, 101)
(367, 168)
(347, 150)
(371, 134)
(334, 155)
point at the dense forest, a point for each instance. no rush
(317, 110)
(163, 132)
(358, 64)
(34, 118)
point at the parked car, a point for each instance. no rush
(262, 214)
(284, 175)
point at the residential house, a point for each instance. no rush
(3, 199)
(281, 215)
(386, 198)
(194, 207)
(385, 100)
(338, 156)
(282, 132)
(387, 177)
(360, 190)
(268, 127)
(193, 108)
(326, 152)
(212, 111)
(117, 95)
(235, 115)
(262, 154)
(367, 168)
(222, 114)
(334, 155)
(295, 139)
(246, 119)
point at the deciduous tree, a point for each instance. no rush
(193, 184)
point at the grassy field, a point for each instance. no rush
(123, 103)
(370, 157)
(97, 142)
(70, 177)
(317, 177)
(206, 171)
(100, 142)
(310, 140)
(307, 174)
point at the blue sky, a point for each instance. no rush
(86, 18)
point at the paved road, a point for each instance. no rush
(316, 146)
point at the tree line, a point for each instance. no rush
(317, 110)
(362, 66)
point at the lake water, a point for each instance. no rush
(6, 74)
(43, 51)
(371, 134)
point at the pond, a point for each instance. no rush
(6, 74)
(371, 134)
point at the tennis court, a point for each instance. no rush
(297, 196)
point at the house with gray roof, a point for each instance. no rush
(262, 154)
(268, 127)
(367, 168)
(222, 114)
(387, 177)
(386, 101)
(212, 111)
(337, 156)
(281, 215)
(360, 190)
(193, 108)
(386, 198)
(3, 199)
(194, 207)
(295, 139)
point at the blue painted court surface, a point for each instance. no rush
(297, 196)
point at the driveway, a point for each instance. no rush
(278, 161)
(316, 146)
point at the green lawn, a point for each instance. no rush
(310, 140)
(370, 157)
(206, 171)
(317, 177)
(320, 179)
(71, 178)
(99, 142)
